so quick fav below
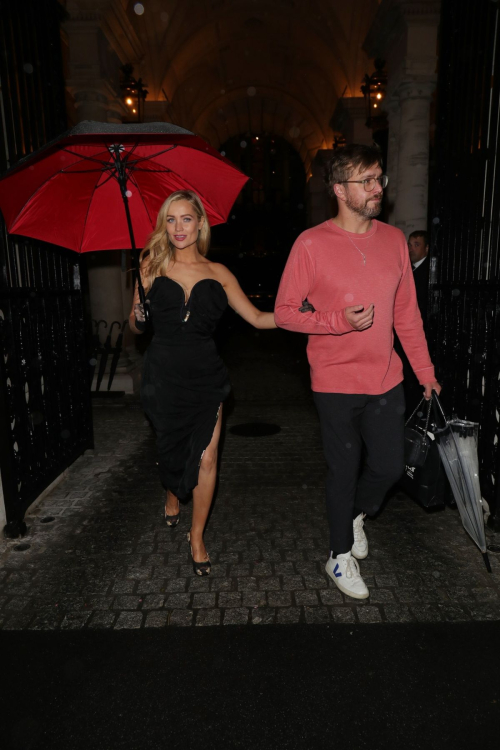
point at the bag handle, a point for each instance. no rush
(438, 410)
(428, 415)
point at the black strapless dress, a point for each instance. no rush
(184, 379)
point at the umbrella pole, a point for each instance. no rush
(486, 561)
(121, 175)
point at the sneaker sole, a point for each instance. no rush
(345, 591)
(358, 556)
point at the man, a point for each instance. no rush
(356, 276)
(418, 248)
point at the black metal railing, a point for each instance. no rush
(45, 415)
(465, 262)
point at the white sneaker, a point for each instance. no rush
(360, 547)
(344, 572)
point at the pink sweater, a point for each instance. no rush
(327, 268)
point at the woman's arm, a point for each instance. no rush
(240, 302)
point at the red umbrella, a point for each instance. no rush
(100, 186)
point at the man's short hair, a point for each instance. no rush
(420, 233)
(348, 160)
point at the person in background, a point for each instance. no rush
(418, 248)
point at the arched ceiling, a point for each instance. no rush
(246, 66)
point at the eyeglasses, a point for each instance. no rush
(369, 183)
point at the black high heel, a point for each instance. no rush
(200, 568)
(172, 521)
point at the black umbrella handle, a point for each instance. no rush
(121, 174)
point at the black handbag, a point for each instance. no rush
(423, 479)
(417, 441)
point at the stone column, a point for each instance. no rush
(391, 168)
(404, 33)
(92, 71)
(413, 156)
(349, 118)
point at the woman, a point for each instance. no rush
(184, 381)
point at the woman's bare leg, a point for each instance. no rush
(204, 492)
(171, 504)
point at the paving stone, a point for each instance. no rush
(343, 614)
(386, 580)
(485, 594)
(284, 569)
(263, 616)
(238, 571)
(453, 613)
(127, 602)
(316, 615)
(157, 619)
(208, 617)
(426, 612)
(230, 599)
(123, 587)
(279, 598)
(309, 598)
(397, 613)
(332, 596)
(47, 621)
(262, 570)
(254, 599)
(75, 620)
(203, 601)
(153, 601)
(245, 584)
(17, 621)
(181, 617)
(228, 557)
(368, 614)
(177, 585)
(380, 596)
(291, 583)
(17, 604)
(485, 611)
(315, 582)
(129, 621)
(288, 615)
(236, 616)
(178, 601)
(221, 584)
(104, 620)
(270, 584)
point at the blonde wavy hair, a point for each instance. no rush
(159, 251)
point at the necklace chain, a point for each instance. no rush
(359, 251)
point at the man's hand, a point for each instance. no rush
(359, 317)
(429, 387)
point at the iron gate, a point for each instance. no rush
(465, 262)
(45, 411)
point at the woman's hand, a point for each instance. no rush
(140, 316)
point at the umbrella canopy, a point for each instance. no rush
(72, 191)
(457, 445)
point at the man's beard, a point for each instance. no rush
(365, 210)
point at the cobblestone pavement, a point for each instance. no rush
(108, 561)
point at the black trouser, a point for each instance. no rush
(349, 423)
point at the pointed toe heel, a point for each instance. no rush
(200, 568)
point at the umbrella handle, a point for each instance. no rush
(97, 323)
(121, 176)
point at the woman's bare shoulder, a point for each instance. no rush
(221, 273)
